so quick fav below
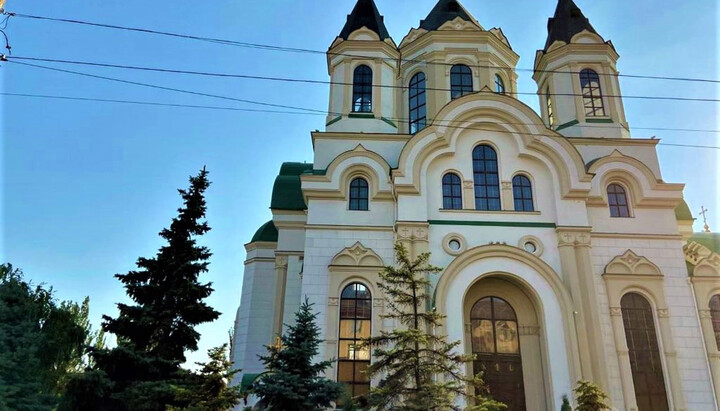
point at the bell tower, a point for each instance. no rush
(577, 78)
(362, 63)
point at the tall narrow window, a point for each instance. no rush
(452, 192)
(418, 108)
(522, 193)
(617, 199)
(550, 113)
(592, 93)
(496, 345)
(461, 81)
(362, 89)
(487, 180)
(359, 194)
(715, 315)
(499, 84)
(355, 325)
(645, 361)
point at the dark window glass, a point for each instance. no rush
(617, 199)
(355, 325)
(417, 104)
(499, 84)
(461, 81)
(715, 315)
(359, 194)
(522, 193)
(591, 94)
(452, 192)
(496, 344)
(362, 89)
(550, 113)
(487, 180)
(644, 353)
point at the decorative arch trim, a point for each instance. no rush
(630, 263)
(357, 256)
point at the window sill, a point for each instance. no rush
(361, 115)
(506, 212)
(589, 119)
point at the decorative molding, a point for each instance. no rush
(357, 256)
(507, 185)
(663, 313)
(705, 314)
(412, 232)
(615, 312)
(695, 252)
(468, 184)
(492, 223)
(671, 354)
(708, 267)
(333, 301)
(573, 237)
(529, 330)
(331, 342)
(457, 237)
(631, 264)
(378, 302)
(281, 261)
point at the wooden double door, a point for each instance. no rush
(496, 344)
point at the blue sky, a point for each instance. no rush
(87, 186)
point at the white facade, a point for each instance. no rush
(564, 265)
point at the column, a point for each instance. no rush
(678, 398)
(712, 349)
(623, 358)
(281, 265)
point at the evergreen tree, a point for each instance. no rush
(40, 342)
(590, 397)
(420, 370)
(144, 371)
(292, 381)
(565, 404)
(211, 391)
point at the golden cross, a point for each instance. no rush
(703, 212)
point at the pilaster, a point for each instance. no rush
(712, 349)
(281, 265)
(414, 236)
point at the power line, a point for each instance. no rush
(325, 82)
(136, 83)
(311, 51)
(439, 123)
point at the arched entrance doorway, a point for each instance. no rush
(496, 345)
(504, 333)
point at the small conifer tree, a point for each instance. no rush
(565, 404)
(293, 382)
(420, 369)
(590, 397)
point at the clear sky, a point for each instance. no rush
(87, 186)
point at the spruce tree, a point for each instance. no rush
(210, 391)
(292, 381)
(420, 369)
(590, 397)
(144, 371)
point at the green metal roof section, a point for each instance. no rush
(247, 381)
(287, 191)
(267, 232)
(709, 240)
(682, 212)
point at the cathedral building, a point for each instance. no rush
(566, 256)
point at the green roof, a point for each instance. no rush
(267, 232)
(247, 381)
(682, 212)
(709, 240)
(287, 191)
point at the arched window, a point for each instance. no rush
(355, 325)
(461, 81)
(550, 113)
(452, 192)
(715, 315)
(645, 361)
(487, 180)
(499, 84)
(359, 194)
(617, 199)
(362, 89)
(496, 345)
(522, 193)
(592, 93)
(418, 108)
